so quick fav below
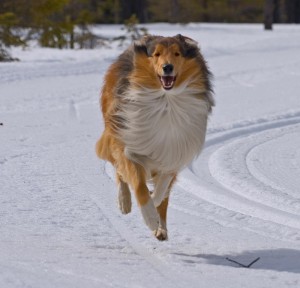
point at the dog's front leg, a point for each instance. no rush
(142, 194)
(161, 189)
(162, 233)
(148, 210)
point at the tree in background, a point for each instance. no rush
(53, 22)
(182, 11)
(8, 35)
(50, 22)
(29, 12)
(78, 13)
(66, 23)
(268, 14)
(292, 9)
(134, 7)
(174, 11)
(281, 11)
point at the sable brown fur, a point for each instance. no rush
(135, 94)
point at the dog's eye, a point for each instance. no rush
(157, 54)
(177, 54)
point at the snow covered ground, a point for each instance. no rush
(59, 222)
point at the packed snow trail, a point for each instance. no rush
(59, 221)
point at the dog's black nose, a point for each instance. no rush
(168, 68)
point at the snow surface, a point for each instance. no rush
(59, 221)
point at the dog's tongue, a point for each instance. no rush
(167, 81)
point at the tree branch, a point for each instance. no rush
(242, 265)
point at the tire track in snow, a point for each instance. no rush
(235, 174)
(32, 71)
(228, 165)
(191, 204)
(280, 172)
(206, 176)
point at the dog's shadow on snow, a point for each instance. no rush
(287, 260)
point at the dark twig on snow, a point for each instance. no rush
(242, 265)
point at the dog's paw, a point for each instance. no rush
(161, 234)
(125, 205)
(150, 215)
(124, 199)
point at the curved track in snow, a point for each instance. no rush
(232, 173)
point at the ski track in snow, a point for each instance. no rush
(237, 183)
(59, 222)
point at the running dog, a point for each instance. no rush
(155, 101)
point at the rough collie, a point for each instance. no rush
(155, 102)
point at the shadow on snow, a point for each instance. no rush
(287, 260)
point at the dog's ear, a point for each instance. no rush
(144, 45)
(189, 46)
(140, 48)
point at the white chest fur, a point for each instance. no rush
(164, 130)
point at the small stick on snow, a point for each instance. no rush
(242, 265)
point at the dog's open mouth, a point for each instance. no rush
(167, 81)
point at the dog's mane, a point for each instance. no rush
(140, 110)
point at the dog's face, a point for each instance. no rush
(166, 62)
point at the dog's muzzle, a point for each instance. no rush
(167, 81)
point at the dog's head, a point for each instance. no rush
(168, 61)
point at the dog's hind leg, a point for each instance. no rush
(124, 196)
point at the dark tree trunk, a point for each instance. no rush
(126, 10)
(72, 40)
(116, 11)
(293, 11)
(297, 12)
(137, 7)
(282, 13)
(276, 11)
(268, 14)
(141, 10)
(204, 4)
(289, 4)
(174, 17)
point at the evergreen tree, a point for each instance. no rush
(8, 36)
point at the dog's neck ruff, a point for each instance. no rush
(164, 130)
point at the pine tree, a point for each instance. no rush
(8, 37)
